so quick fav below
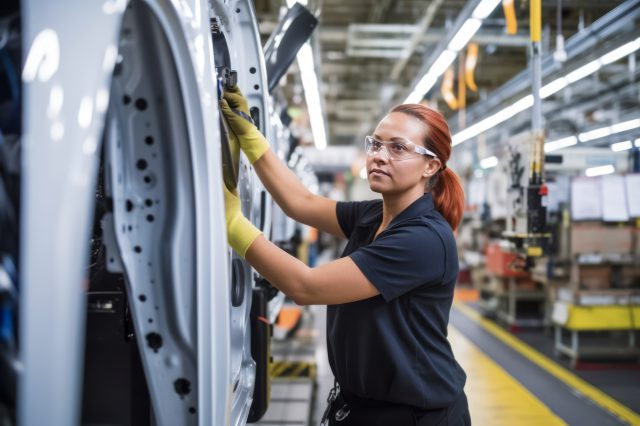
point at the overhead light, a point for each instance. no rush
(598, 133)
(594, 134)
(462, 37)
(625, 125)
(560, 143)
(443, 62)
(489, 162)
(493, 120)
(637, 143)
(583, 71)
(600, 170)
(310, 87)
(424, 85)
(553, 87)
(557, 85)
(609, 130)
(621, 52)
(621, 146)
(485, 8)
(457, 43)
(312, 95)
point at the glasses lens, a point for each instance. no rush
(371, 146)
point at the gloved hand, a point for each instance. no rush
(252, 142)
(240, 232)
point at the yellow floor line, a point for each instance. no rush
(556, 370)
(496, 398)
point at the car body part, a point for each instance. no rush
(293, 30)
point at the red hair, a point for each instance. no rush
(445, 186)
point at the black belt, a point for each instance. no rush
(347, 408)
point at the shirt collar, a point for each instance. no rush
(418, 208)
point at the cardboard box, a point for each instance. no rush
(592, 277)
(593, 237)
(627, 277)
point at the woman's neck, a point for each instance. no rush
(394, 204)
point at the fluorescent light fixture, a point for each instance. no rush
(311, 92)
(594, 134)
(457, 43)
(625, 125)
(621, 146)
(553, 87)
(485, 8)
(312, 95)
(583, 71)
(443, 62)
(489, 162)
(493, 120)
(424, 85)
(600, 170)
(462, 37)
(609, 130)
(621, 52)
(560, 143)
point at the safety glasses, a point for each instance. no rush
(395, 150)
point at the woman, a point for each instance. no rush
(390, 294)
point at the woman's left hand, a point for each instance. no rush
(240, 232)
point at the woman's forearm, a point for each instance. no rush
(283, 185)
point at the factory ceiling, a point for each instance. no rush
(370, 49)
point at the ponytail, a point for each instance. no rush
(448, 196)
(445, 186)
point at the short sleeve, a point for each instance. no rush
(402, 259)
(349, 213)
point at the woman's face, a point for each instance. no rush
(392, 176)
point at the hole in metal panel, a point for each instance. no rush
(154, 341)
(237, 283)
(141, 104)
(141, 164)
(182, 387)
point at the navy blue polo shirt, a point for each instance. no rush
(393, 347)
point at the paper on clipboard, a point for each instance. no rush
(614, 199)
(586, 198)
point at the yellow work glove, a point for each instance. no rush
(240, 232)
(252, 142)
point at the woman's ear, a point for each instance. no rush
(431, 168)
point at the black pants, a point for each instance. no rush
(350, 412)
